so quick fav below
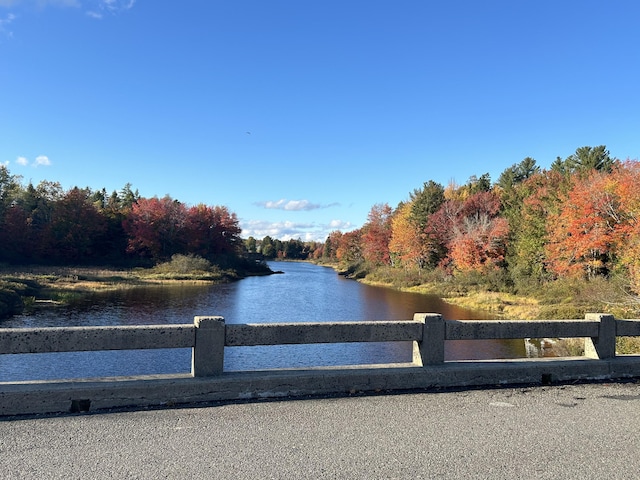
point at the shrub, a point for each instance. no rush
(183, 264)
(10, 299)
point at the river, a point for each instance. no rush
(303, 293)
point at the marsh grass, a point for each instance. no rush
(493, 292)
(44, 286)
(628, 345)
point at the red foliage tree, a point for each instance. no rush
(349, 247)
(212, 230)
(15, 235)
(155, 227)
(76, 229)
(469, 233)
(480, 244)
(377, 235)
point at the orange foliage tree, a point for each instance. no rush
(583, 235)
(349, 247)
(405, 245)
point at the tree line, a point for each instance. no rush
(578, 219)
(45, 224)
(293, 249)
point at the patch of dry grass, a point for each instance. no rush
(505, 305)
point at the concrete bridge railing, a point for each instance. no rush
(208, 337)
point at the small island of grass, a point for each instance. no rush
(48, 286)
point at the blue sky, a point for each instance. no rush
(299, 115)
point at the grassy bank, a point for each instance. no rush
(563, 299)
(43, 286)
(571, 298)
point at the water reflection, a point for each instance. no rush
(304, 292)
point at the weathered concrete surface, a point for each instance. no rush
(238, 335)
(75, 339)
(89, 395)
(567, 432)
(482, 329)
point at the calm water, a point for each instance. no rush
(303, 293)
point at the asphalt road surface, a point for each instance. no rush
(555, 432)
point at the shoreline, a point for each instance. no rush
(52, 287)
(504, 305)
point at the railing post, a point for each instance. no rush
(604, 345)
(432, 344)
(207, 357)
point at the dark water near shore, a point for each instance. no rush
(304, 293)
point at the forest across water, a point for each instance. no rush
(536, 243)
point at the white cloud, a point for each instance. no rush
(281, 230)
(4, 24)
(340, 225)
(292, 205)
(110, 7)
(287, 230)
(41, 160)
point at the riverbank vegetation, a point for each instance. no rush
(537, 243)
(46, 286)
(79, 229)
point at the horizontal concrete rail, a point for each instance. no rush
(628, 328)
(307, 333)
(78, 339)
(509, 329)
(208, 337)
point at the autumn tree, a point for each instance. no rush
(376, 235)
(527, 209)
(77, 228)
(424, 203)
(478, 241)
(467, 232)
(627, 177)
(349, 249)
(155, 227)
(405, 246)
(582, 234)
(211, 231)
(596, 230)
(441, 229)
(15, 235)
